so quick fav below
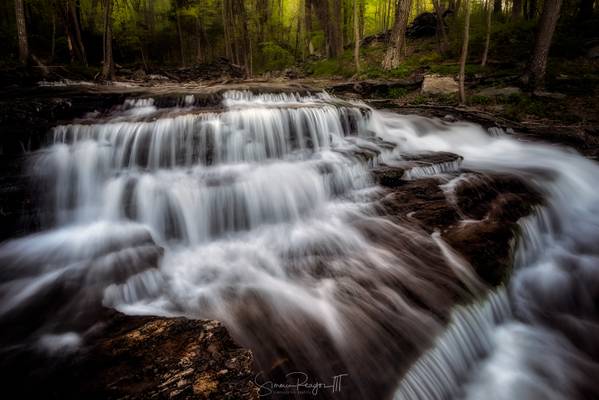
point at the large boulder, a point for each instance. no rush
(437, 84)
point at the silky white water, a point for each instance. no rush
(263, 216)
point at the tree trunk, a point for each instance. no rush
(586, 9)
(22, 32)
(356, 37)
(532, 9)
(244, 40)
(308, 26)
(442, 40)
(180, 33)
(92, 15)
(464, 55)
(395, 50)
(108, 67)
(227, 31)
(53, 44)
(497, 8)
(516, 10)
(488, 35)
(535, 71)
(336, 28)
(76, 30)
(362, 9)
(199, 53)
(237, 41)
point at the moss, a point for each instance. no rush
(402, 71)
(454, 69)
(480, 100)
(420, 99)
(519, 106)
(396, 92)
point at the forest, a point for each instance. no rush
(322, 38)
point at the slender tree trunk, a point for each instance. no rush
(464, 54)
(227, 31)
(362, 7)
(244, 45)
(336, 28)
(442, 39)
(76, 30)
(586, 9)
(356, 37)
(387, 16)
(53, 44)
(497, 8)
(535, 71)
(22, 32)
(488, 34)
(329, 16)
(394, 52)
(308, 26)
(237, 40)
(180, 33)
(92, 15)
(532, 9)
(199, 53)
(516, 9)
(108, 67)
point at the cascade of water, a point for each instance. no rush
(543, 351)
(262, 216)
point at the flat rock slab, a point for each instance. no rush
(436, 84)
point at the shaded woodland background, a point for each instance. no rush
(363, 39)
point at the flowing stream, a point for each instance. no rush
(263, 215)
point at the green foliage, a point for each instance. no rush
(420, 99)
(147, 31)
(518, 106)
(454, 69)
(397, 92)
(275, 57)
(327, 67)
(479, 100)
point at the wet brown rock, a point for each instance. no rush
(421, 202)
(412, 165)
(151, 357)
(496, 203)
(144, 358)
(389, 176)
(482, 224)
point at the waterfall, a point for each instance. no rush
(262, 215)
(543, 347)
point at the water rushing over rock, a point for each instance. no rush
(264, 215)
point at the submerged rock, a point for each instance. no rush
(478, 216)
(414, 166)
